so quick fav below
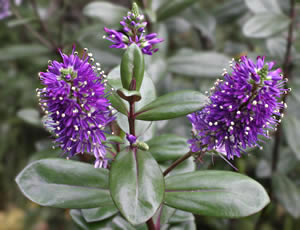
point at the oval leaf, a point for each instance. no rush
(132, 67)
(197, 64)
(172, 105)
(167, 147)
(137, 185)
(215, 193)
(108, 13)
(171, 8)
(65, 184)
(98, 214)
(265, 25)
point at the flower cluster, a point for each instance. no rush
(242, 108)
(76, 106)
(5, 8)
(133, 32)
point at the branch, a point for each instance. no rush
(38, 36)
(287, 64)
(177, 162)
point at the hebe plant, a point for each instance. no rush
(129, 181)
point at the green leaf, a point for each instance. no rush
(165, 213)
(108, 13)
(172, 105)
(132, 67)
(198, 64)
(181, 216)
(99, 214)
(230, 10)
(113, 138)
(265, 6)
(215, 193)
(265, 25)
(31, 116)
(287, 193)
(78, 218)
(65, 184)
(19, 51)
(148, 94)
(291, 126)
(168, 147)
(137, 185)
(171, 8)
(120, 224)
(129, 95)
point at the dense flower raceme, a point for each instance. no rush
(242, 108)
(133, 31)
(5, 8)
(76, 105)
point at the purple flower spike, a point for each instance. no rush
(133, 29)
(242, 108)
(76, 106)
(131, 138)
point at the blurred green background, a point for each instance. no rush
(200, 38)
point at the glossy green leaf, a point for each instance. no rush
(171, 8)
(114, 82)
(64, 184)
(99, 214)
(181, 216)
(114, 138)
(164, 213)
(263, 6)
(265, 25)
(287, 193)
(198, 64)
(79, 220)
(292, 131)
(132, 67)
(168, 147)
(108, 13)
(129, 95)
(137, 185)
(215, 193)
(119, 223)
(172, 105)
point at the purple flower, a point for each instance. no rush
(242, 108)
(131, 138)
(133, 32)
(5, 8)
(76, 106)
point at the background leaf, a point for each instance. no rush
(108, 13)
(263, 6)
(265, 25)
(292, 129)
(287, 193)
(198, 64)
(167, 147)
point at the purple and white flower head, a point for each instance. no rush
(242, 108)
(76, 105)
(5, 8)
(133, 31)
